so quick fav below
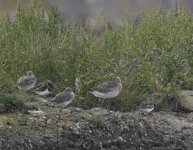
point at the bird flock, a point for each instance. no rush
(106, 90)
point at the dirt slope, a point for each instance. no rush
(96, 129)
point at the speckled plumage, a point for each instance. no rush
(184, 66)
(146, 106)
(45, 88)
(108, 89)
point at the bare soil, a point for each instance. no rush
(96, 129)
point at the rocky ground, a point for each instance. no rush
(95, 129)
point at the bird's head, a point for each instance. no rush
(29, 73)
(49, 84)
(116, 79)
(68, 89)
(184, 61)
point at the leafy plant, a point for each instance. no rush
(61, 51)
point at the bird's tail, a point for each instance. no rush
(90, 91)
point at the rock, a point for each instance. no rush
(187, 86)
(100, 129)
(186, 100)
(37, 113)
(181, 101)
(49, 121)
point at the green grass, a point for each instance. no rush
(63, 52)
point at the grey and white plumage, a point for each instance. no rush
(27, 82)
(108, 89)
(78, 84)
(64, 98)
(184, 66)
(146, 106)
(45, 88)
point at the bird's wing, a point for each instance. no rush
(41, 88)
(27, 80)
(105, 87)
(20, 79)
(146, 104)
(39, 85)
(62, 97)
(143, 105)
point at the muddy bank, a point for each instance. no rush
(96, 129)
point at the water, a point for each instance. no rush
(90, 9)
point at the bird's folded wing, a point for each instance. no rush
(62, 97)
(105, 87)
(27, 80)
(41, 88)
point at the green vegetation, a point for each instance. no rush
(61, 51)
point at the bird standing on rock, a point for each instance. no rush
(27, 82)
(108, 90)
(63, 99)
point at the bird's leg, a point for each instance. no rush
(99, 100)
(150, 114)
(62, 113)
(109, 104)
(25, 95)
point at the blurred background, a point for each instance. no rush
(88, 10)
